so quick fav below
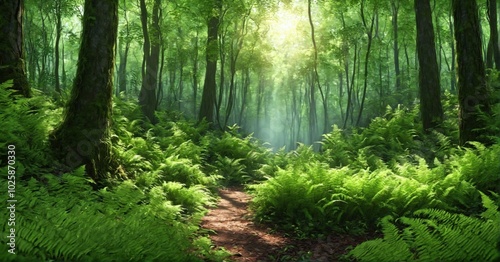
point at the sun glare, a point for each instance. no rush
(284, 28)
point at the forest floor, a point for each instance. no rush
(231, 227)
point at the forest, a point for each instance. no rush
(250, 130)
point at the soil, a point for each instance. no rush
(231, 227)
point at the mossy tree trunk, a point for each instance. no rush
(11, 46)
(429, 85)
(83, 136)
(473, 94)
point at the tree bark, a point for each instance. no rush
(369, 34)
(122, 69)
(473, 95)
(11, 46)
(209, 86)
(395, 48)
(315, 67)
(147, 95)
(56, 47)
(195, 74)
(492, 15)
(429, 85)
(83, 136)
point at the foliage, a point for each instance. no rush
(25, 124)
(479, 165)
(314, 198)
(234, 157)
(62, 218)
(436, 235)
(394, 138)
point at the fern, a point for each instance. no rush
(64, 219)
(436, 235)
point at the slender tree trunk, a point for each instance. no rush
(260, 97)
(209, 86)
(56, 47)
(453, 53)
(315, 79)
(246, 87)
(11, 46)
(341, 95)
(350, 86)
(369, 33)
(122, 70)
(195, 74)
(429, 86)
(492, 15)
(160, 92)
(222, 78)
(83, 136)
(397, 71)
(147, 95)
(63, 68)
(473, 95)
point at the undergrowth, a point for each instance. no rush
(390, 169)
(419, 188)
(436, 235)
(150, 211)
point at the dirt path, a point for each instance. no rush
(237, 233)
(231, 227)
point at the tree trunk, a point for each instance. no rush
(429, 86)
(453, 79)
(147, 95)
(56, 48)
(11, 46)
(83, 136)
(260, 97)
(315, 67)
(473, 95)
(244, 94)
(195, 74)
(397, 71)
(369, 33)
(209, 86)
(492, 15)
(122, 70)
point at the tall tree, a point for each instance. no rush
(151, 48)
(492, 18)
(83, 136)
(124, 41)
(395, 49)
(11, 46)
(429, 86)
(315, 75)
(209, 86)
(473, 95)
(58, 14)
(369, 34)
